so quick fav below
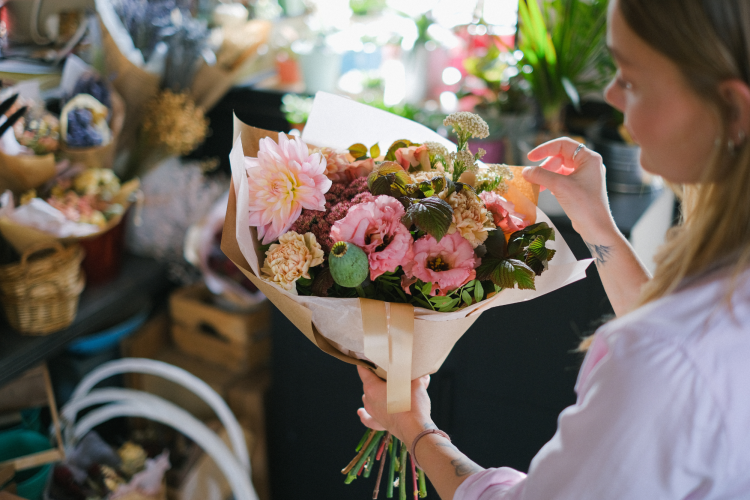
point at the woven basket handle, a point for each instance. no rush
(38, 247)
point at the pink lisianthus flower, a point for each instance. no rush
(502, 212)
(283, 180)
(413, 156)
(376, 228)
(447, 264)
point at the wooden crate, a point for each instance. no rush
(237, 340)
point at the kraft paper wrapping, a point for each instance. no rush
(135, 85)
(211, 83)
(100, 156)
(19, 173)
(23, 237)
(336, 325)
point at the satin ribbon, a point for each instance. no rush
(388, 342)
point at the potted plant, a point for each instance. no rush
(503, 100)
(564, 53)
(296, 109)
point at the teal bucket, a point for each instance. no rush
(18, 443)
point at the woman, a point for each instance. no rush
(663, 403)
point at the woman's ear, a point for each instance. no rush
(736, 95)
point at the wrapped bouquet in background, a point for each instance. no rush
(161, 56)
(29, 138)
(385, 258)
(79, 203)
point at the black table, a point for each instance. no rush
(100, 307)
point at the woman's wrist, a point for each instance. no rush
(603, 232)
(412, 428)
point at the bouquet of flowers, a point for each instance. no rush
(386, 260)
(79, 203)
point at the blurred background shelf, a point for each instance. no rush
(140, 281)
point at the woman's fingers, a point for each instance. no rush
(543, 177)
(368, 421)
(564, 146)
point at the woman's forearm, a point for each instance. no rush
(445, 466)
(620, 270)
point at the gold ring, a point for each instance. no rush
(580, 147)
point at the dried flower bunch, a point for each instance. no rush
(174, 123)
(417, 225)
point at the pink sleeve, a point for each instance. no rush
(490, 483)
(638, 430)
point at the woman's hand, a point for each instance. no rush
(577, 183)
(406, 425)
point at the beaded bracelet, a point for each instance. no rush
(421, 435)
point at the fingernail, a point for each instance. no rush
(526, 171)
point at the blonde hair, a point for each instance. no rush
(708, 40)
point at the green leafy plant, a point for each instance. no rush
(520, 260)
(296, 108)
(563, 42)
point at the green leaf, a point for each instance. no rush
(401, 143)
(427, 289)
(375, 151)
(466, 297)
(358, 150)
(507, 273)
(572, 92)
(432, 215)
(383, 170)
(478, 292)
(448, 307)
(495, 244)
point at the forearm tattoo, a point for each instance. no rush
(599, 252)
(462, 465)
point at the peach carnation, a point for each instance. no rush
(292, 259)
(413, 156)
(502, 212)
(377, 229)
(447, 264)
(470, 218)
(338, 168)
(283, 180)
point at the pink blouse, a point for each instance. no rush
(662, 410)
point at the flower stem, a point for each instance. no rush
(381, 456)
(422, 484)
(414, 477)
(352, 475)
(402, 473)
(360, 291)
(392, 468)
(362, 441)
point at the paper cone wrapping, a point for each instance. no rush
(19, 173)
(100, 156)
(357, 330)
(135, 86)
(22, 237)
(211, 83)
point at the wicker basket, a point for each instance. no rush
(40, 293)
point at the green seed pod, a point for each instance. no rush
(348, 263)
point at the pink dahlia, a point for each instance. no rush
(376, 228)
(283, 180)
(447, 264)
(502, 212)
